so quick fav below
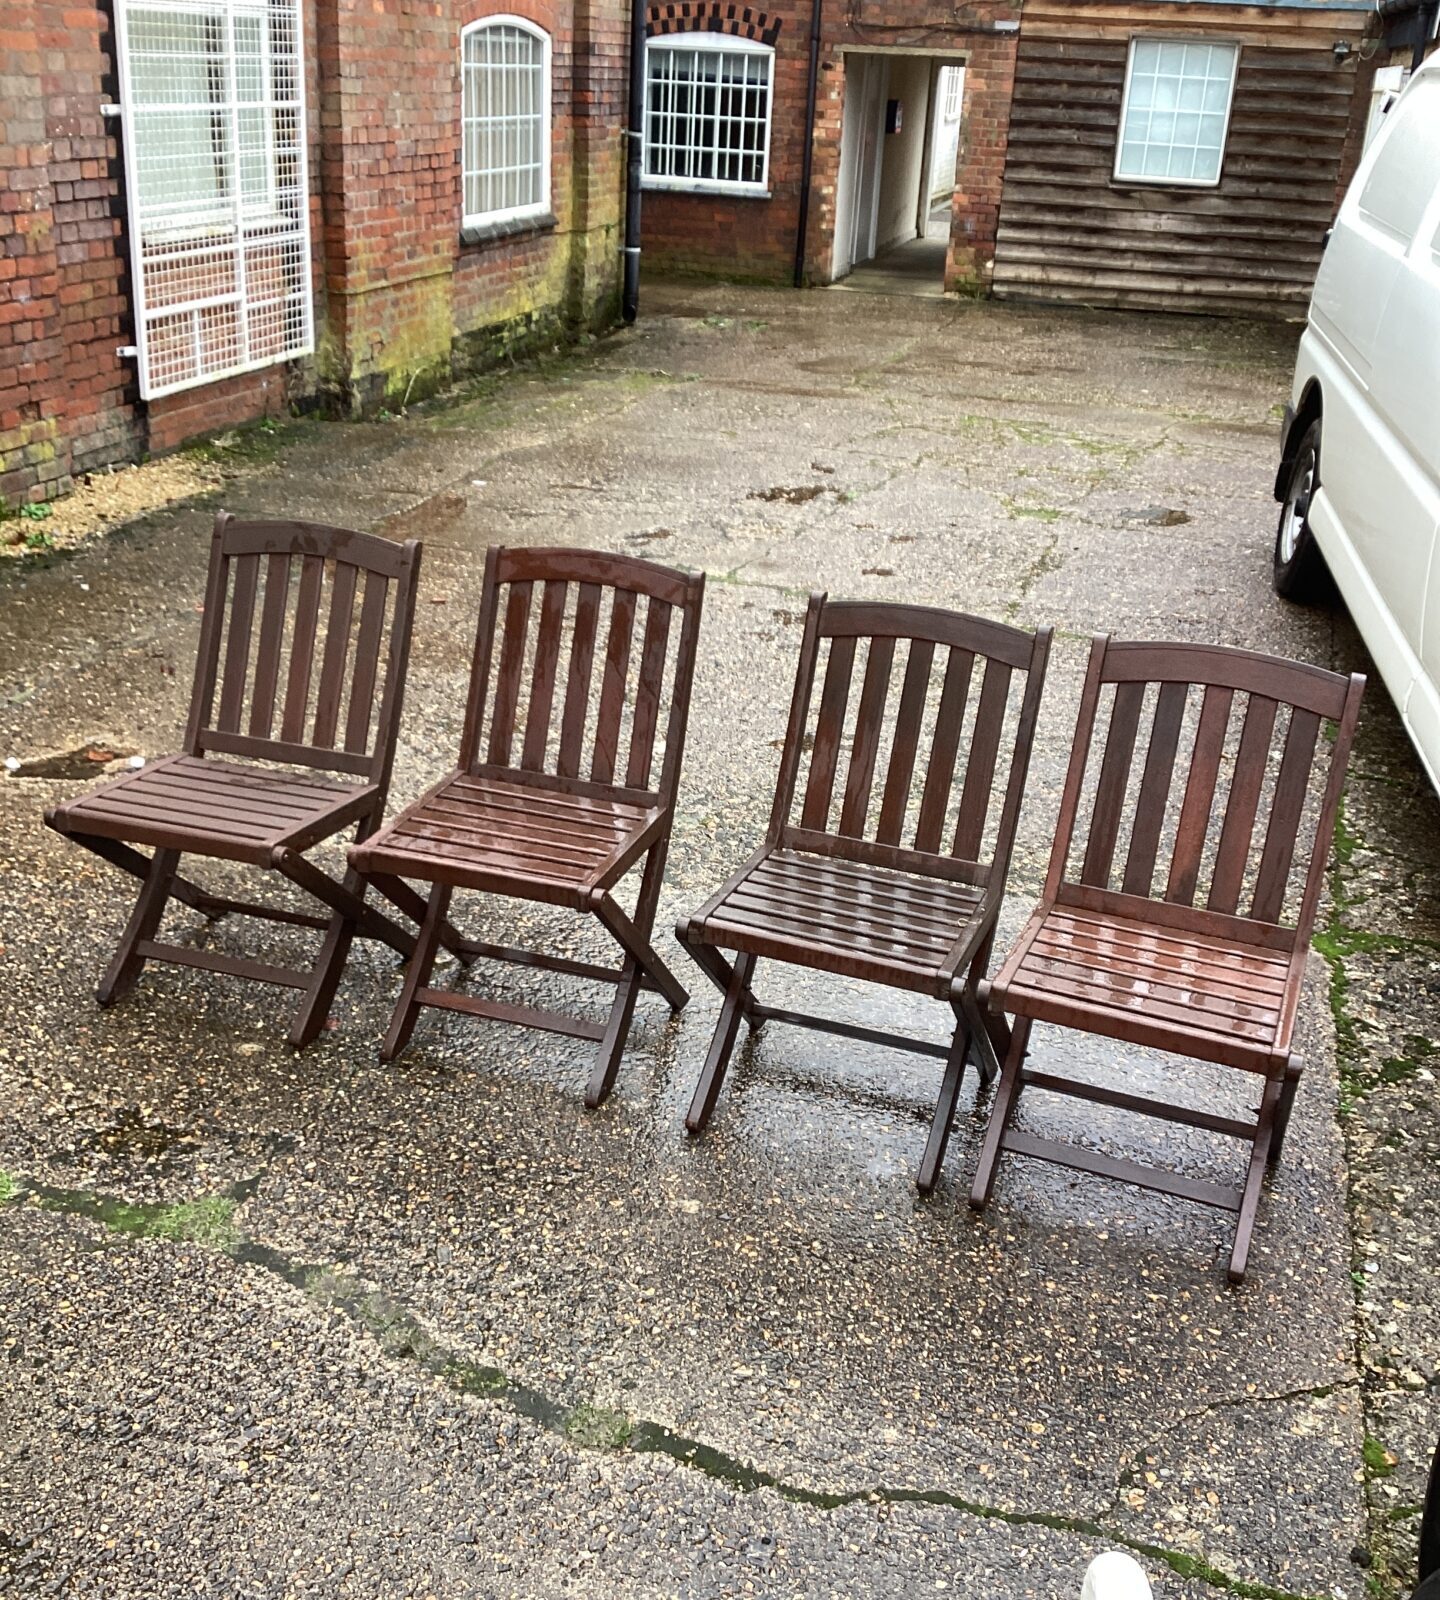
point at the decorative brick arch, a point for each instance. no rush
(712, 16)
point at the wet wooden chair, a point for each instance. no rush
(549, 812)
(335, 675)
(898, 884)
(1143, 962)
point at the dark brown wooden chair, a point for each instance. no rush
(550, 812)
(336, 680)
(1144, 962)
(899, 884)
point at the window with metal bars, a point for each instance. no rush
(504, 120)
(212, 95)
(951, 88)
(707, 115)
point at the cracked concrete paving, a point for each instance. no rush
(880, 1395)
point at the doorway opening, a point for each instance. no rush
(899, 143)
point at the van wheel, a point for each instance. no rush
(1300, 573)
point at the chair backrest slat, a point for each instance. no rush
(615, 673)
(1154, 789)
(646, 721)
(980, 769)
(335, 654)
(901, 772)
(1110, 796)
(1291, 787)
(237, 643)
(860, 774)
(271, 645)
(909, 720)
(610, 721)
(542, 685)
(367, 661)
(246, 671)
(577, 687)
(834, 697)
(302, 650)
(1238, 829)
(1199, 795)
(507, 683)
(940, 774)
(1207, 782)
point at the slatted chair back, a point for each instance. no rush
(915, 753)
(303, 646)
(582, 675)
(1212, 763)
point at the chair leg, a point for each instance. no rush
(617, 1030)
(1283, 1110)
(125, 966)
(417, 973)
(1259, 1160)
(1005, 1098)
(633, 936)
(718, 970)
(722, 1045)
(934, 1155)
(993, 1023)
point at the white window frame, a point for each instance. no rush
(954, 93)
(713, 44)
(536, 208)
(1156, 181)
(165, 240)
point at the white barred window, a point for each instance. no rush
(212, 95)
(707, 115)
(505, 120)
(951, 90)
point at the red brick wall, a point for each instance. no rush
(725, 235)
(400, 302)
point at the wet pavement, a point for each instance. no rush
(311, 1325)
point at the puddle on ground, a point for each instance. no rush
(85, 761)
(1157, 516)
(794, 495)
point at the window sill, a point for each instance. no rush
(736, 191)
(509, 228)
(1201, 184)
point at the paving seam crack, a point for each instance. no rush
(400, 1335)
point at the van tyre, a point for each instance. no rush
(1300, 573)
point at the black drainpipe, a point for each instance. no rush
(811, 93)
(634, 138)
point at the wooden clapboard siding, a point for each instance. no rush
(1068, 232)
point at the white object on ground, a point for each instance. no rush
(1115, 1576)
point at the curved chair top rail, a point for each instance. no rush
(841, 619)
(1295, 683)
(526, 564)
(368, 551)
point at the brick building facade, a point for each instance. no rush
(428, 251)
(752, 235)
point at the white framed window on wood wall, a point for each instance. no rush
(1176, 112)
(504, 121)
(212, 96)
(707, 115)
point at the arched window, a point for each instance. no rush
(504, 120)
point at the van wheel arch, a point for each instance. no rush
(1310, 409)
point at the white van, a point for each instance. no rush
(1359, 479)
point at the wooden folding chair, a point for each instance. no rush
(522, 820)
(1144, 963)
(337, 725)
(843, 891)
